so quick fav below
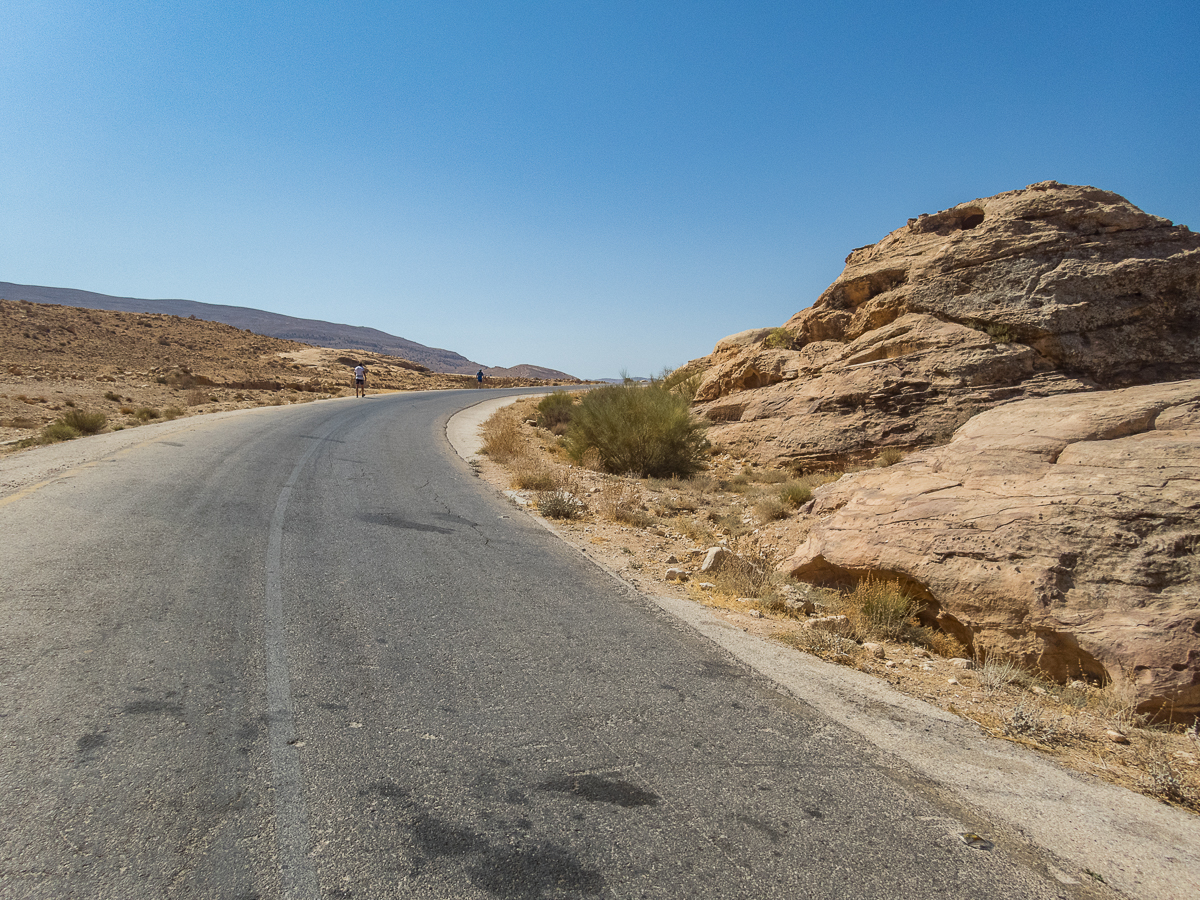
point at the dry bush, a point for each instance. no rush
(946, 645)
(621, 502)
(889, 456)
(751, 574)
(85, 422)
(172, 412)
(1027, 720)
(880, 610)
(531, 474)
(197, 397)
(502, 437)
(694, 529)
(825, 644)
(771, 508)
(700, 484)
(559, 503)
(146, 413)
(737, 484)
(995, 673)
(1117, 705)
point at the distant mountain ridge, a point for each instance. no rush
(309, 331)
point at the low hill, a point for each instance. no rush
(132, 367)
(308, 331)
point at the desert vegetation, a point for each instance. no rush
(645, 430)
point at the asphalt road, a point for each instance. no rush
(303, 653)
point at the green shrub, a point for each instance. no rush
(146, 413)
(684, 381)
(795, 494)
(57, 431)
(85, 422)
(1000, 333)
(779, 339)
(555, 409)
(889, 456)
(640, 430)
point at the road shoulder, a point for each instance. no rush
(1100, 834)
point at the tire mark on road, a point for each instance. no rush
(298, 878)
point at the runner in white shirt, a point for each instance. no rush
(360, 380)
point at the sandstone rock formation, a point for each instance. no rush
(1062, 531)
(1032, 293)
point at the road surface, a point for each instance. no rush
(303, 653)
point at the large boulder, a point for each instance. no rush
(1031, 293)
(1063, 532)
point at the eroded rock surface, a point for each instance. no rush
(1032, 293)
(1063, 531)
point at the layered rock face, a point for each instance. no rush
(1032, 293)
(1064, 532)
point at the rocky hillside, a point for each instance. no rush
(308, 331)
(1048, 290)
(54, 358)
(1041, 349)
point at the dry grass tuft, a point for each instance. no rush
(889, 456)
(502, 438)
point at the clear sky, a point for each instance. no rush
(591, 186)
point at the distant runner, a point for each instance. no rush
(479, 378)
(360, 380)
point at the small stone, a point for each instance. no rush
(960, 663)
(714, 559)
(1040, 691)
(890, 664)
(671, 560)
(1116, 737)
(951, 681)
(875, 650)
(706, 585)
(676, 575)
(920, 653)
(755, 614)
(926, 668)
(805, 607)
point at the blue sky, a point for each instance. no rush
(591, 186)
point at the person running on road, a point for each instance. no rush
(479, 378)
(360, 380)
